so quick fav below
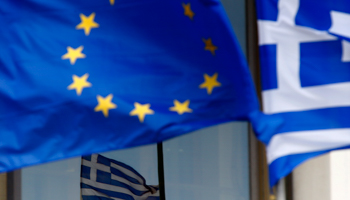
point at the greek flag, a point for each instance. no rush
(103, 178)
(305, 67)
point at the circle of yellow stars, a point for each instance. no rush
(104, 104)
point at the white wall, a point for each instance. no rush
(326, 177)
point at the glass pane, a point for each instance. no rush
(61, 180)
(208, 164)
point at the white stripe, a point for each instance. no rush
(345, 57)
(93, 171)
(91, 192)
(127, 172)
(271, 32)
(287, 10)
(123, 180)
(309, 98)
(116, 189)
(340, 23)
(98, 166)
(284, 144)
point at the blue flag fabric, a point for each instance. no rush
(106, 179)
(305, 67)
(85, 76)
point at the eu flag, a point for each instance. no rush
(85, 76)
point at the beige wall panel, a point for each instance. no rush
(3, 186)
(311, 180)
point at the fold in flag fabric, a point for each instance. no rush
(106, 179)
(85, 76)
(305, 55)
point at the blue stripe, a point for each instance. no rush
(316, 15)
(129, 168)
(88, 158)
(95, 198)
(321, 64)
(121, 174)
(83, 185)
(133, 190)
(315, 119)
(103, 177)
(85, 172)
(268, 66)
(282, 166)
(267, 10)
(153, 198)
(103, 160)
(109, 193)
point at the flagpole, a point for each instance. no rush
(161, 171)
(259, 189)
(14, 185)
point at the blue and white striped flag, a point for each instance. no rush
(305, 67)
(103, 178)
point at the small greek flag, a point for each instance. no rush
(103, 178)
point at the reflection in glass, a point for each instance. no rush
(61, 180)
(104, 178)
(208, 164)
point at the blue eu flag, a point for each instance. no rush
(85, 76)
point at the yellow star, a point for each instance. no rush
(181, 108)
(210, 82)
(87, 23)
(105, 104)
(79, 83)
(187, 10)
(111, 2)
(73, 54)
(141, 111)
(209, 46)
